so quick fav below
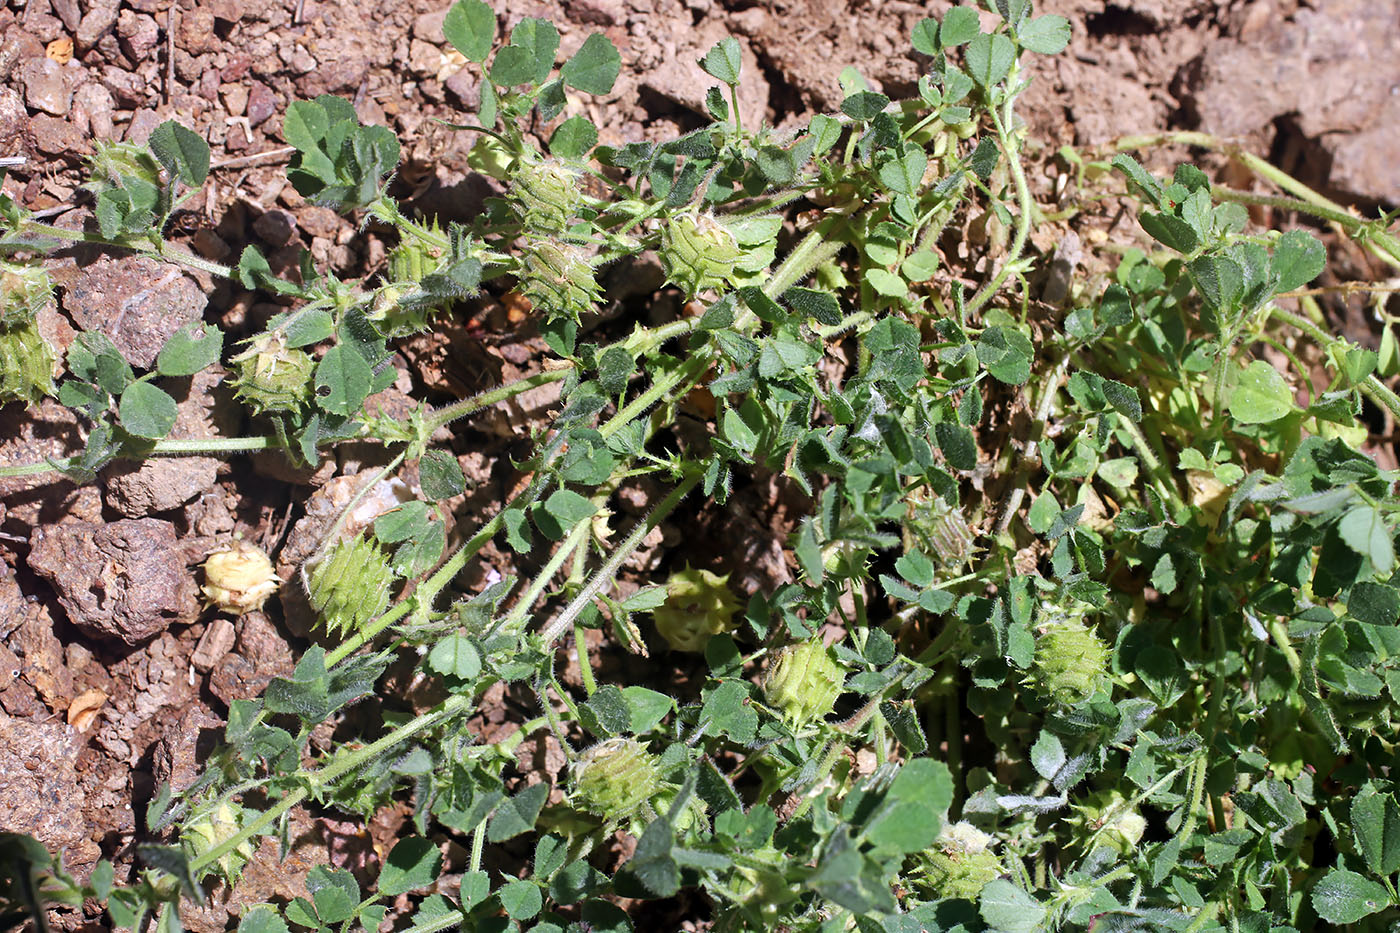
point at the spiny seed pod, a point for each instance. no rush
(804, 682)
(1112, 823)
(698, 252)
(26, 363)
(698, 605)
(558, 279)
(271, 376)
(350, 584)
(547, 194)
(111, 162)
(615, 778)
(23, 291)
(213, 829)
(1071, 661)
(409, 263)
(238, 577)
(960, 863)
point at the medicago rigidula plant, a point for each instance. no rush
(1131, 664)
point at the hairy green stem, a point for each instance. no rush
(1371, 234)
(163, 448)
(1371, 386)
(336, 768)
(163, 251)
(560, 624)
(1024, 205)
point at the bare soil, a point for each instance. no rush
(112, 675)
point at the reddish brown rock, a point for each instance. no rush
(40, 792)
(116, 580)
(31, 436)
(163, 483)
(137, 302)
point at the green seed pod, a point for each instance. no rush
(1117, 825)
(547, 194)
(558, 279)
(26, 363)
(698, 252)
(698, 605)
(350, 584)
(400, 307)
(804, 682)
(214, 828)
(1071, 661)
(23, 291)
(111, 162)
(615, 778)
(960, 863)
(271, 376)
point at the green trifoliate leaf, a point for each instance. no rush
(1298, 259)
(530, 56)
(440, 475)
(262, 919)
(864, 105)
(723, 61)
(925, 37)
(1047, 35)
(1007, 908)
(594, 67)
(147, 411)
(961, 25)
(1345, 897)
(905, 174)
(190, 349)
(521, 899)
(1260, 395)
(989, 58)
(573, 138)
(183, 152)
(343, 381)
(470, 25)
(455, 655)
(412, 864)
(1365, 531)
(1005, 353)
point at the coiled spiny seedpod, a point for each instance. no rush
(547, 193)
(698, 605)
(804, 682)
(350, 584)
(558, 279)
(26, 359)
(26, 363)
(214, 828)
(409, 263)
(111, 163)
(698, 252)
(24, 290)
(615, 778)
(960, 863)
(238, 577)
(1071, 661)
(272, 376)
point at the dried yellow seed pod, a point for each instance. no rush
(238, 577)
